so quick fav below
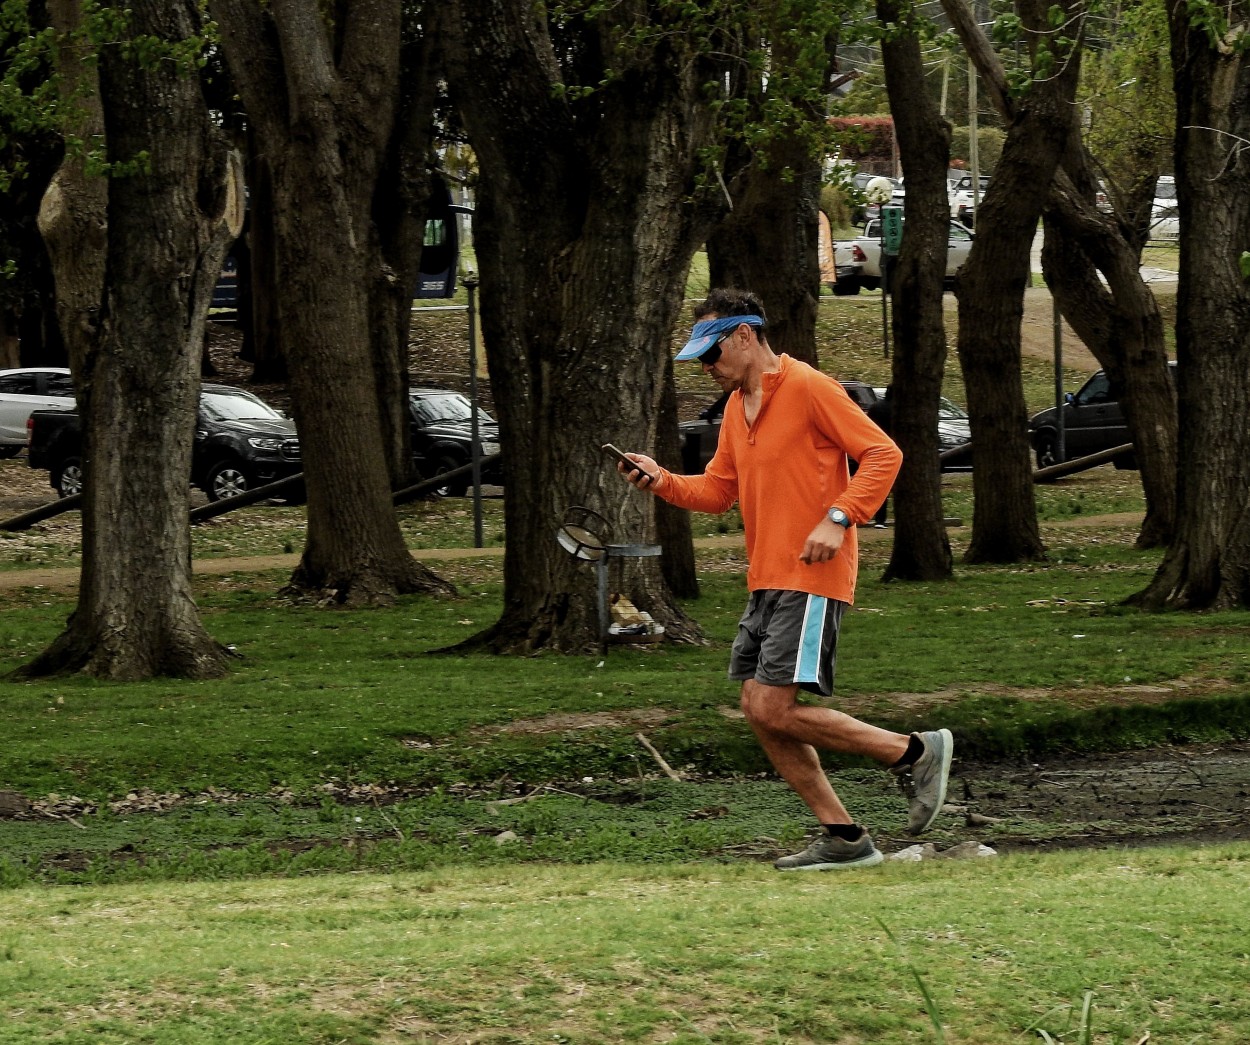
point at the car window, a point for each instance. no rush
(1096, 390)
(446, 406)
(18, 384)
(959, 234)
(237, 406)
(948, 411)
(60, 385)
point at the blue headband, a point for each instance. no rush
(706, 331)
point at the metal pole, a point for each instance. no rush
(885, 311)
(470, 282)
(601, 577)
(1060, 447)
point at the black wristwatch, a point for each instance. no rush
(840, 517)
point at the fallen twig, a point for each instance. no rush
(671, 773)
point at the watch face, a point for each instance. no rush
(839, 516)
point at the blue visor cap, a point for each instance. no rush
(706, 331)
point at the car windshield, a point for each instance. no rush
(948, 411)
(237, 406)
(446, 406)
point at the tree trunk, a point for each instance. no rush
(991, 295)
(399, 212)
(263, 290)
(136, 363)
(322, 99)
(921, 549)
(1207, 563)
(768, 241)
(1120, 324)
(768, 244)
(585, 230)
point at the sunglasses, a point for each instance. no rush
(710, 357)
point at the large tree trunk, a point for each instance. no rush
(1207, 563)
(136, 360)
(261, 294)
(921, 549)
(1120, 324)
(400, 204)
(584, 232)
(991, 293)
(768, 241)
(322, 98)
(768, 244)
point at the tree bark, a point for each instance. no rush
(921, 548)
(991, 293)
(1207, 562)
(134, 291)
(768, 240)
(322, 99)
(1120, 324)
(585, 229)
(400, 205)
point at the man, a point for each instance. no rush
(786, 437)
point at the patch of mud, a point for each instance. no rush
(1195, 793)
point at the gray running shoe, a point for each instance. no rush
(828, 853)
(924, 783)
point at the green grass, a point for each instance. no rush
(345, 695)
(620, 952)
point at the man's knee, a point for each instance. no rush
(767, 707)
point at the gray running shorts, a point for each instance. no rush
(786, 637)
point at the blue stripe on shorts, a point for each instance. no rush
(807, 665)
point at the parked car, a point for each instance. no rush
(241, 442)
(442, 437)
(958, 246)
(963, 201)
(1092, 421)
(24, 390)
(862, 209)
(1164, 217)
(954, 431)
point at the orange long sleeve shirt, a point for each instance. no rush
(787, 470)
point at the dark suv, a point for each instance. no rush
(241, 442)
(442, 437)
(1092, 421)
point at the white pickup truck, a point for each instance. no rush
(869, 245)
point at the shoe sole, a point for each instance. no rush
(948, 751)
(871, 860)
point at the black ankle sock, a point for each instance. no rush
(849, 832)
(915, 748)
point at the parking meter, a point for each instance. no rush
(891, 229)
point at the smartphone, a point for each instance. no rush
(630, 465)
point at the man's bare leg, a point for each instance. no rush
(790, 733)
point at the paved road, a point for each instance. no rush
(1149, 274)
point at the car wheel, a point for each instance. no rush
(844, 287)
(226, 479)
(9, 451)
(67, 479)
(1047, 446)
(457, 487)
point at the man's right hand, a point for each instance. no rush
(641, 477)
